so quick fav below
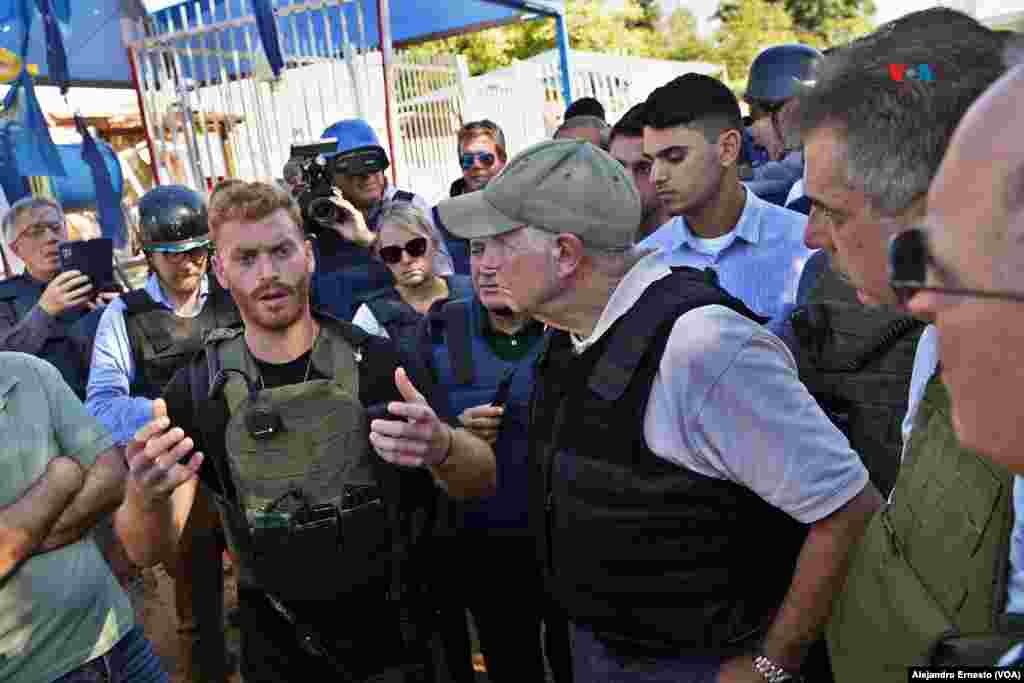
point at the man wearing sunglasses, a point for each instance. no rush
(961, 268)
(771, 93)
(358, 165)
(482, 155)
(142, 339)
(40, 310)
(932, 565)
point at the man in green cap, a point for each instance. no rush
(694, 505)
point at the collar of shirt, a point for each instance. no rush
(676, 234)
(649, 270)
(156, 292)
(506, 345)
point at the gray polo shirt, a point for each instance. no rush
(62, 608)
(727, 403)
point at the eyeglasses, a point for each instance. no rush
(196, 254)
(414, 248)
(36, 231)
(909, 257)
(469, 158)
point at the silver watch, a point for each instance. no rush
(772, 672)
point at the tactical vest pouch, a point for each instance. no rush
(307, 502)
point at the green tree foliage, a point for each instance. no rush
(747, 27)
(683, 43)
(827, 17)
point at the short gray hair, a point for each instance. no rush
(896, 132)
(21, 207)
(405, 215)
(611, 262)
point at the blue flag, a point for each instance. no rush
(108, 200)
(25, 131)
(266, 22)
(56, 24)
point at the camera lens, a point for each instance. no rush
(323, 211)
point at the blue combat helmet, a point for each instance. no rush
(359, 151)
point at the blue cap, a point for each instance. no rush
(359, 150)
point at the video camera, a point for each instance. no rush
(318, 211)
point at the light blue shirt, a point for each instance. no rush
(113, 368)
(926, 362)
(760, 264)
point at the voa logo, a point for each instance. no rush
(912, 72)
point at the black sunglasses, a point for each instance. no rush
(393, 254)
(469, 158)
(909, 257)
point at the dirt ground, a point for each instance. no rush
(155, 611)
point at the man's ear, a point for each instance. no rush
(218, 270)
(730, 144)
(570, 254)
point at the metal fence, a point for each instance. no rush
(214, 109)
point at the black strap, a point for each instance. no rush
(403, 196)
(138, 301)
(460, 339)
(666, 300)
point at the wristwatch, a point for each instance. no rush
(772, 672)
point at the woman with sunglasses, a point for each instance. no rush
(406, 244)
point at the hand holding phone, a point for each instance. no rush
(93, 258)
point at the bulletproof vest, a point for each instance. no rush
(402, 320)
(932, 565)
(643, 551)
(162, 341)
(469, 372)
(856, 361)
(304, 504)
(64, 348)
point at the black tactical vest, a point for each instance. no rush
(162, 342)
(401, 320)
(856, 361)
(645, 552)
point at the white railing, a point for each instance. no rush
(214, 109)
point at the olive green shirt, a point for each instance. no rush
(62, 608)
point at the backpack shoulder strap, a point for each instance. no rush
(138, 301)
(225, 348)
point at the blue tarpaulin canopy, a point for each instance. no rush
(97, 57)
(411, 21)
(96, 54)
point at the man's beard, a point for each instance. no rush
(282, 319)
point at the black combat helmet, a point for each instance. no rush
(172, 219)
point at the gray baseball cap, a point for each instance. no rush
(561, 186)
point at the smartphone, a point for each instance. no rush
(501, 395)
(94, 258)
